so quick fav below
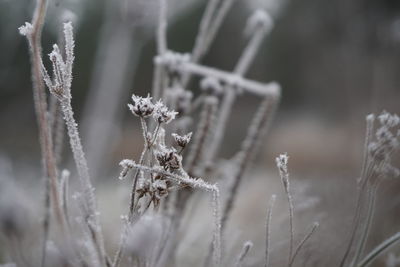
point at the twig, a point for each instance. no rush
(378, 250)
(366, 229)
(234, 80)
(268, 229)
(281, 163)
(361, 186)
(162, 28)
(256, 131)
(243, 253)
(303, 241)
(203, 29)
(204, 126)
(33, 33)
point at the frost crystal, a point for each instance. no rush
(26, 29)
(162, 114)
(142, 106)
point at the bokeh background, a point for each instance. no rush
(337, 61)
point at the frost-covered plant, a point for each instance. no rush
(174, 162)
(379, 148)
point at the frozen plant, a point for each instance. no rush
(183, 133)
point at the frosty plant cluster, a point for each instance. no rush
(174, 162)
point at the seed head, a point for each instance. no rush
(142, 106)
(162, 114)
(182, 141)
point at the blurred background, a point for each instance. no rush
(337, 61)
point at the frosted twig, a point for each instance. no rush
(376, 166)
(64, 181)
(303, 241)
(60, 87)
(217, 239)
(261, 28)
(58, 131)
(135, 180)
(368, 137)
(281, 163)
(183, 179)
(256, 131)
(204, 27)
(216, 24)
(33, 33)
(234, 80)
(159, 73)
(367, 226)
(268, 229)
(199, 141)
(260, 24)
(158, 80)
(162, 28)
(361, 186)
(243, 253)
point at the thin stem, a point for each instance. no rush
(217, 239)
(367, 227)
(355, 223)
(162, 28)
(289, 198)
(268, 229)
(256, 131)
(228, 78)
(134, 184)
(361, 186)
(204, 29)
(216, 24)
(133, 204)
(378, 250)
(203, 131)
(46, 144)
(83, 173)
(303, 241)
(245, 250)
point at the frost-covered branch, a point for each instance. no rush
(178, 63)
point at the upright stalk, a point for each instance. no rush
(40, 103)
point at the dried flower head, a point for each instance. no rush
(182, 141)
(162, 114)
(168, 158)
(282, 163)
(142, 106)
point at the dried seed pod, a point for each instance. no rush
(142, 106)
(182, 141)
